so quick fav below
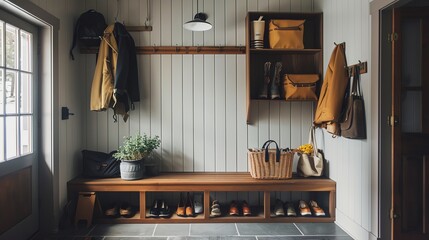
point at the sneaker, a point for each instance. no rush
(290, 209)
(275, 92)
(278, 208)
(164, 210)
(215, 209)
(267, 71)
(304, 209)
(198, 203)
(318, 211)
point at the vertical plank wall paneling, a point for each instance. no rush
(349, 160)
(196, 103)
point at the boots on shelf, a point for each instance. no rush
(275, 86)
(267, 70)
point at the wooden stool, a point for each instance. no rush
(85, 207)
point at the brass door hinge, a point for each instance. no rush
(392, 121)
(391, 37)
(394, 215)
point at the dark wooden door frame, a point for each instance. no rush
(409, 148)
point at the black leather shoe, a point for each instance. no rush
(154, 210)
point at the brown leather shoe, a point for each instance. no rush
(233, 209)
(189, 206)
(181, 207)
(112, 211)
(246, 209)
(304, 209)
(318, 211)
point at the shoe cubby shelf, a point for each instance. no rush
(322, 189)
(294, 61)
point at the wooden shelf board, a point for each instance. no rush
(135, 218)
(281, 99)
(186, 182)
(284, 51)
(178, 50)
(174, 216)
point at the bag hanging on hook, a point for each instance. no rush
(354, 123)
(89, 29)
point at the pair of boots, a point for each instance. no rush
(275, 81)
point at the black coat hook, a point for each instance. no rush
(65, 113)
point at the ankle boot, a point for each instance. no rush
(267, 70)
(275, 91)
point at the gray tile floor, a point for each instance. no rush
(207, 231)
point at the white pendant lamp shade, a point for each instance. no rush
(198, 24)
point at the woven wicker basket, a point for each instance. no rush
(271, 169)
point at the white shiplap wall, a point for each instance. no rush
(196, 103)
(350, 160)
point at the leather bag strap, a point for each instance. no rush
(312, 139)
(265, 147)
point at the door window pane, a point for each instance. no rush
(2, 139)
(412, 111)
(11, 137)
(1, 43)
(26, 50)
(411, 53)
(26, 134)
(26, 93)
(16, 91)
(11, 46)
(10, 91)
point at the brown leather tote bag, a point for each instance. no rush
(354, 123)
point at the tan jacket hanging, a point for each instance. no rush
(331, 97)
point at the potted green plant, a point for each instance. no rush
(132, 152)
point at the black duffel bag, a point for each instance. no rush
(100, 164)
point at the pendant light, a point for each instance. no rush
(199, 23)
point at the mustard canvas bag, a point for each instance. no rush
(286, 33)
(300, 86)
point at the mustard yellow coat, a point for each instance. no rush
(331, 97)
(105, 70)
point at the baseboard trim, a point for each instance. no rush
(352, 228)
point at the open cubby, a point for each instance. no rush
(294, 61)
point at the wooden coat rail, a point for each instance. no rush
(363, 68)
(138, 28)
(180, 50)
(350, 69)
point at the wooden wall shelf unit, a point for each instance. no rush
(179, 50)
(323, 191)
(295, 61)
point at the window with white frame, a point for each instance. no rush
(16, 88)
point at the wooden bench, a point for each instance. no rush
(322, 190)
